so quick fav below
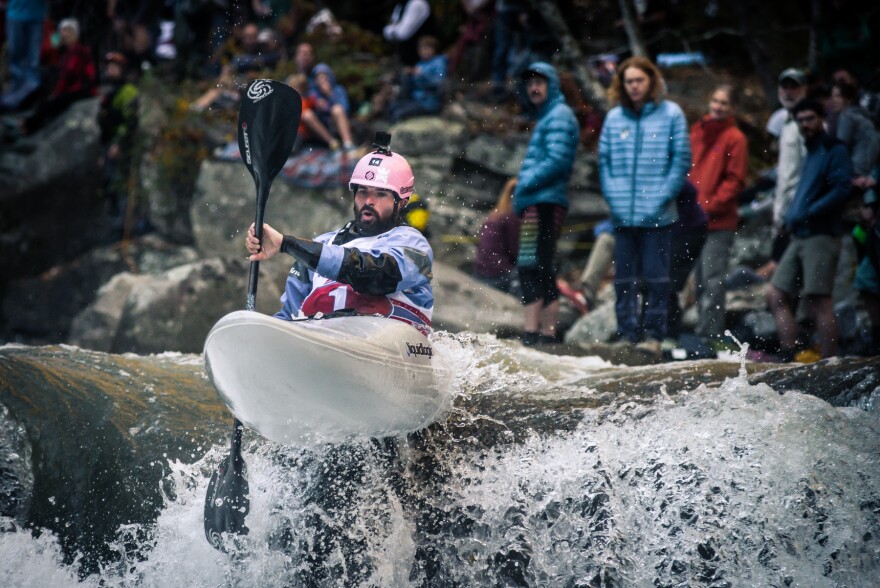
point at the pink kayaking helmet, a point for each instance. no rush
(383, 169)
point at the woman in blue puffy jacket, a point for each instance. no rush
(644, 157)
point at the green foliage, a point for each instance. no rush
(355, 57)
(179, 145)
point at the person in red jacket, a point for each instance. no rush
(77, 78)
(720, 161)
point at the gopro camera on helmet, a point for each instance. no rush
(382, 142)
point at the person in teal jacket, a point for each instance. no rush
(541, 200)
(644, 157)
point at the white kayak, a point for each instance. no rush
(314, 380)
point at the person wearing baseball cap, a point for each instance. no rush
(789, 81)
(792, 89)
(793, 75)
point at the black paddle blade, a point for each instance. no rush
(227, 502)
(268, 120)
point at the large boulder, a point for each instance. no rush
(49, 193)
(428, 135)
(40, 309)
(172, 311)
(224, 206)
(597, 326)
(463, 303)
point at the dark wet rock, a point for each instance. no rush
(49, 199)
(41, 308)
(101, 431)
(171, 311)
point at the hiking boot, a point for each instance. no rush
(649, 345)
(668, 344)
(529, 339)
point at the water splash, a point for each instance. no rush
(713, 486)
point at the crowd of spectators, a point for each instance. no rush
(678, 198)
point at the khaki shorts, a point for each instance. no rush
(809, 264)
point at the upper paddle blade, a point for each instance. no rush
(268, 120)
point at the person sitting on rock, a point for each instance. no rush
(498, 244)
(77, 79)
(331, 104)
(421, 89)
(309, 124)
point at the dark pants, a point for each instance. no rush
(536, 262)
(642, 259)
(506, 26)
(23, 38)
(686, 249)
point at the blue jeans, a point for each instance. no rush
(23, 40)
(506, 25)
(641, 260)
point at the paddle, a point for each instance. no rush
(268, 120)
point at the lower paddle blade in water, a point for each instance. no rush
(227, 503)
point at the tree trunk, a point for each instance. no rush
(815, 27)
(765, 67)
(633, 30)
(571, 55)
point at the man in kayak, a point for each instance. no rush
(375, 264)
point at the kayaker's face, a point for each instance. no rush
(373, 209)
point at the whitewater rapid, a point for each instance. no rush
(726, 485)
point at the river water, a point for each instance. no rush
(726, 485)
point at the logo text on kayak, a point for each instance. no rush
(420, 349)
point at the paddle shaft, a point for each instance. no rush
(251, 302)
(254, 276)
(268, 120)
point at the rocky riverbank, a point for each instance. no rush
(68, 279)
